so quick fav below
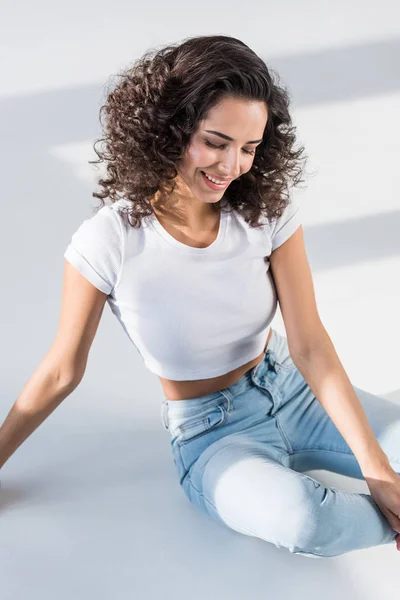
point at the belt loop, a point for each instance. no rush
(164, 416)
(226, 393)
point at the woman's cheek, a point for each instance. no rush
(200, 156)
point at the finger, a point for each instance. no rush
(393, 519)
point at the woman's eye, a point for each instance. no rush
(223, 146)
(212, 145)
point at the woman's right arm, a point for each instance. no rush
(62, 368)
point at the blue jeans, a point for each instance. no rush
(240, 453)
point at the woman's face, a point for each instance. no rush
(241, 120)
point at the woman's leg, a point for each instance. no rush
(323, 446)
(252, 482)
(245, 472)
(239, 482)
(313, 442)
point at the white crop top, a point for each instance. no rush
(191, 313)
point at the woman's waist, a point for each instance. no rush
(185, 390)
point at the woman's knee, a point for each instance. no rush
(293, 520)
(299, 523)
(299, 527)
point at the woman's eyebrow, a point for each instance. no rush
(226, 137)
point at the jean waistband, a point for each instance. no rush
(185, 407)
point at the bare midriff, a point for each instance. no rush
(185, 390)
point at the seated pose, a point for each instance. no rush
(200, 241)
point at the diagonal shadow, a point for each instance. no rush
(363, 239)
(33, 123)
(341, 74)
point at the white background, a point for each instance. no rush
(90, 505)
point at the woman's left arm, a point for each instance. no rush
(330, 384)
(314, 355)
(325, 375)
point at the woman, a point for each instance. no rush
(199, 244)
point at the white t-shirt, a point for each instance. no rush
(191, 313)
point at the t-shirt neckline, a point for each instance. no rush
(190, 249)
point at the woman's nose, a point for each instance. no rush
(232, 165)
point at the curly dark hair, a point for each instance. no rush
(153, 110)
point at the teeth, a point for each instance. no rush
(214, 180)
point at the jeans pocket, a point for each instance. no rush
(194, 426)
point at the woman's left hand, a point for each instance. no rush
(384, 486)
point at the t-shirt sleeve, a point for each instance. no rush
(96, 249)
(283, 227)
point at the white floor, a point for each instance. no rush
(90, 505)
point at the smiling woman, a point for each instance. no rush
(217, 166)
(200, 155)
(164, 116)
(199, 244)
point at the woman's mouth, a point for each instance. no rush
(212, 185)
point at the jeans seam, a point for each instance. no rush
(182, 462)
(347, 454)
(283, 434)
